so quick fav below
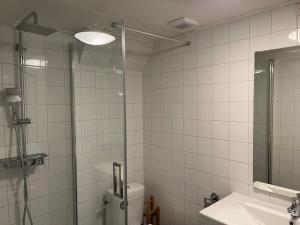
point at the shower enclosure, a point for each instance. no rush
(71, 117)
(64, 126)
(99, 105)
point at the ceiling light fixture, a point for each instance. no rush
(94, 37)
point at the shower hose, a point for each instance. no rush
(26, 209)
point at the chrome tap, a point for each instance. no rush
(294, 209)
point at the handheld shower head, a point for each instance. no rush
(13, 95)
(13, 98)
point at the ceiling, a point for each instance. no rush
(150, 15)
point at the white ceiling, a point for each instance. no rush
(150, 15)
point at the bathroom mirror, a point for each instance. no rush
(276, 122)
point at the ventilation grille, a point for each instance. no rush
(183, 23)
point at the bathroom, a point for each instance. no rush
(106, 105)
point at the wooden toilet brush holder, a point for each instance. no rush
(152, 213)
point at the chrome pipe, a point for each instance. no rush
(116, 25)
(22, 86)
(32, 14)
(124, 121)
(20, 129)
(73, 132)
(270, 119)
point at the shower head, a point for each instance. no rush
(13, 95)
(36, 29)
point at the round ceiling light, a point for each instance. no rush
(94, 37)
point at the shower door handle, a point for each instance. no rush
(117, 180)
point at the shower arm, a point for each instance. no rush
(31, 14)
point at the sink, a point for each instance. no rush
(237, 209)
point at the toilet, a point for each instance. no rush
(115, 215)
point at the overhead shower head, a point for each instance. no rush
(37, 29)
(13, 95)
(34, 27)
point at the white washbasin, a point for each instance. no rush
(237, 209)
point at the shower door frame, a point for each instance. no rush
(73, 135)
(124, 204)
(123, 41)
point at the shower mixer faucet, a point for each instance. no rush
(22, 122)
(294, 209)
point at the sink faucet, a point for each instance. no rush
(294, 209)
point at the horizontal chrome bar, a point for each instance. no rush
(114, 24)
(29, 161)
(25, 121)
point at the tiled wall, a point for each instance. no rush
(286, 154)
(197, 120)
(48, 105)
(99, 124)
(198, 113)
(99, 128)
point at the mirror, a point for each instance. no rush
(276, 122)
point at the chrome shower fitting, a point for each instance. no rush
(31, 160)
(13, 97)
(25, 121)
(294, 209)
(34, 27)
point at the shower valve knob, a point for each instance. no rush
(22, 121)
(18, 47)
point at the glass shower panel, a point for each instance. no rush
(99, 120)
(60, 71)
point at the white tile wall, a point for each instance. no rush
(195, 128)
(99, 127)
(207, 92)
(99, 111)
(48, 105)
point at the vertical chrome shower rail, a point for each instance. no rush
(22, 86)
(270, 119)
(73, 132)
(22, 128)
(125, 122)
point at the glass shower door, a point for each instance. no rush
(99, 111)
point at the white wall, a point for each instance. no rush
(197, 119)
(48, 105)
(100, 130)
(198, 113)
(99, 108)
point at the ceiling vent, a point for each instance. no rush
(183, 23)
